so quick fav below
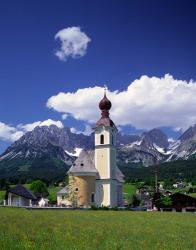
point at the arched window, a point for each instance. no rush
(92, 197)
(102, 139)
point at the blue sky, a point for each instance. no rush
(128, 39)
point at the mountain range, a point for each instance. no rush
(50, 150)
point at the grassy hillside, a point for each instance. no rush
(129, 189)
(176, 171)
(111, 230)
(23, 170)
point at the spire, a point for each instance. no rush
(105, 105)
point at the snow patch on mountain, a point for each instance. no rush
(76, 152)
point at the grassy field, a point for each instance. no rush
(101, 230)
(193, 195)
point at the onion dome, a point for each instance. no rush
(105, 104)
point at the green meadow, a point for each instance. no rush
(111, 230)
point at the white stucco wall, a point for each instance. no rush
(105, 163)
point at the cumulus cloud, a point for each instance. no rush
(10, 133)
(74, 43)
(148, 102)
(87, 131)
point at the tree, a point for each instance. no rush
(4, 185)
(166, 201)
(135, 201)
(39, 188)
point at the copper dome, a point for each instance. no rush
(105, 104)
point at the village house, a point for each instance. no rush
(179, 185)
(43, 202)
(179, 203)
(62, 197)
(20, 196)
(95, 177)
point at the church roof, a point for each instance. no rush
(22, 191)
(105, 121)
(63, 191)
(84, 164)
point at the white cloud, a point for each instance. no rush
(87, 131)
(74, 43)
(9, 133)
(148, 102)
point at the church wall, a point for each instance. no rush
(106, 193)
(100, 132)
(102, 162)
(102, 193)
(113, 200)
(86, 186)
(119, 195)
(106, 197)
(112, 162)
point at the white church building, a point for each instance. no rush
(94, 178)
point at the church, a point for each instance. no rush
(94, 178)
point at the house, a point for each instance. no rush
(94, 176)
(179, 185)
(179, 203)
(148, 203)
(62, 197)
(167, 193)
(20, 196)
(43, 202)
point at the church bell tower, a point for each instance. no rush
(105, 157)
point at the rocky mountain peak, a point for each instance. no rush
(190, 133)
(155, 137)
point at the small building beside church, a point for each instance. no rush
(94, 178)
(20, 196)
(62, 198)
(43, 202)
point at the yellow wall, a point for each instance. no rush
(63, 201)
(101, 162)
(86, 186)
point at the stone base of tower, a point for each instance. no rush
(106, 193)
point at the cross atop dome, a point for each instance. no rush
(105, 104)
(105, 89)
